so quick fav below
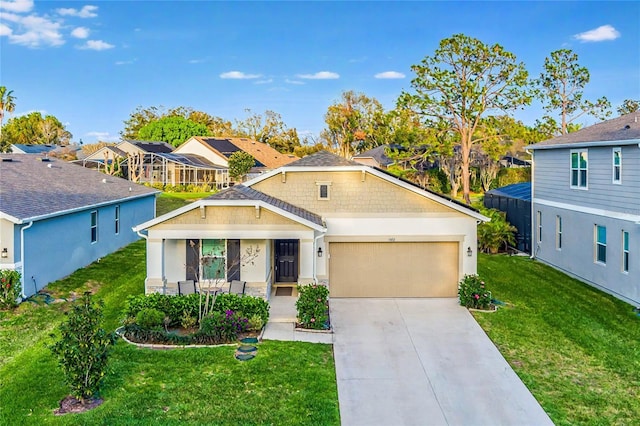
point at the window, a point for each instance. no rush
(213, 259)
(579, 169)
(625, 251)
(617, 165)
(117, 220)
(323, 190)
(94, 226)
(601, 244)
(558, 232)
(539, 226)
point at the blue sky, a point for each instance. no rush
(92, 63)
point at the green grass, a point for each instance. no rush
(287, 383)
(576, 348)
(168, 201)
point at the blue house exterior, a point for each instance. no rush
(56, 217)
(586, 205)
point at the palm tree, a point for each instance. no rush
(7, 103)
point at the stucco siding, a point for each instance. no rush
(7, 242)
(577, 256)
(56, 247)
(552, 179)
(350, 192)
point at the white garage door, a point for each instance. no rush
(398, 269)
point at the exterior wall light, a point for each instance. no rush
(319, 251)
(469, 252)
(4, 253)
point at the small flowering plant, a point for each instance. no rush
(473, 293)
(9, 288)
(313, 306)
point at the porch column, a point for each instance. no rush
(305, 275)
(156, 281)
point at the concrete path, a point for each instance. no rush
(423, 362)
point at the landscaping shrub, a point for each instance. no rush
(255, 323)
(9, 288)
(496, 233)
(150, 318)
(473, 293)
(223, 326)
(247, 306)
(173, 307)
(313, 306)
(83, 348)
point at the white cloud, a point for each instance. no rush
(322, 75)
(239, 75)
(602, 33)
(129, 62)
(96, 45)
(266, 81)
(87, 11)
(389, 75)
(197, 61)
(103, 136)
(31, 30)
(19, 6)
(5, 31)
(293, 81)
(80, 32)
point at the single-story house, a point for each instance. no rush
(18, 148)
(358, 229)
(56, 217)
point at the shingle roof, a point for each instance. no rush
(378, 153)
(626, 127)
(241, 192)
(263, 153)
(34, 149)
(323, 159)
(32, 187)
(520, 191)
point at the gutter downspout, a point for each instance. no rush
(533, 217)
(315, 260)
(22, 255)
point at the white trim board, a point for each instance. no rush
(589, 210)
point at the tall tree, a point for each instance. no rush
(142, 116)
(268, 128)
(628, 106)
(561, 89)
(464, 80)
(173, 129)
(34, 129)
(352, 123)
(240, 163)
(7, 104)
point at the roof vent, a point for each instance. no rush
(627, 127)
(45, 159)
(7, 160)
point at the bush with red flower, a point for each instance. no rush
(9, 288)
(313, 306)
(473, 293)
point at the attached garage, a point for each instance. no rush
(394, 269)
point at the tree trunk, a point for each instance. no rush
(466, 148)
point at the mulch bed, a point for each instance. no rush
(72, 405)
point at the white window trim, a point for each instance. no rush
(320, 185)
(627, 252)
(539, 218)
(613, 166)
(117, 219)
(94, 226)
(597, 243)
(586, 184)
(558, 232)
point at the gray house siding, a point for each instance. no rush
(552, 175)
(56, 247)
(577, 256)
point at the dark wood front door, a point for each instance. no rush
(287, 261)
(233, 260)
(193, 259)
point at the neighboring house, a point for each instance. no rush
(218, 151)
(377, 157)
(18, 148)
(360, 230)
(586, 205)
(516, 161)
(515, 201)
(56, 217)
(157, 163)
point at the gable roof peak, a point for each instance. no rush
(323, 159)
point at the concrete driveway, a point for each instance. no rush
(423, 362)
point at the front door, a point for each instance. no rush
(286, 261)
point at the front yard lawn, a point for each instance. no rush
(287, 382)
(576, 348)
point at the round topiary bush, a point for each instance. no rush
(150, 318)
